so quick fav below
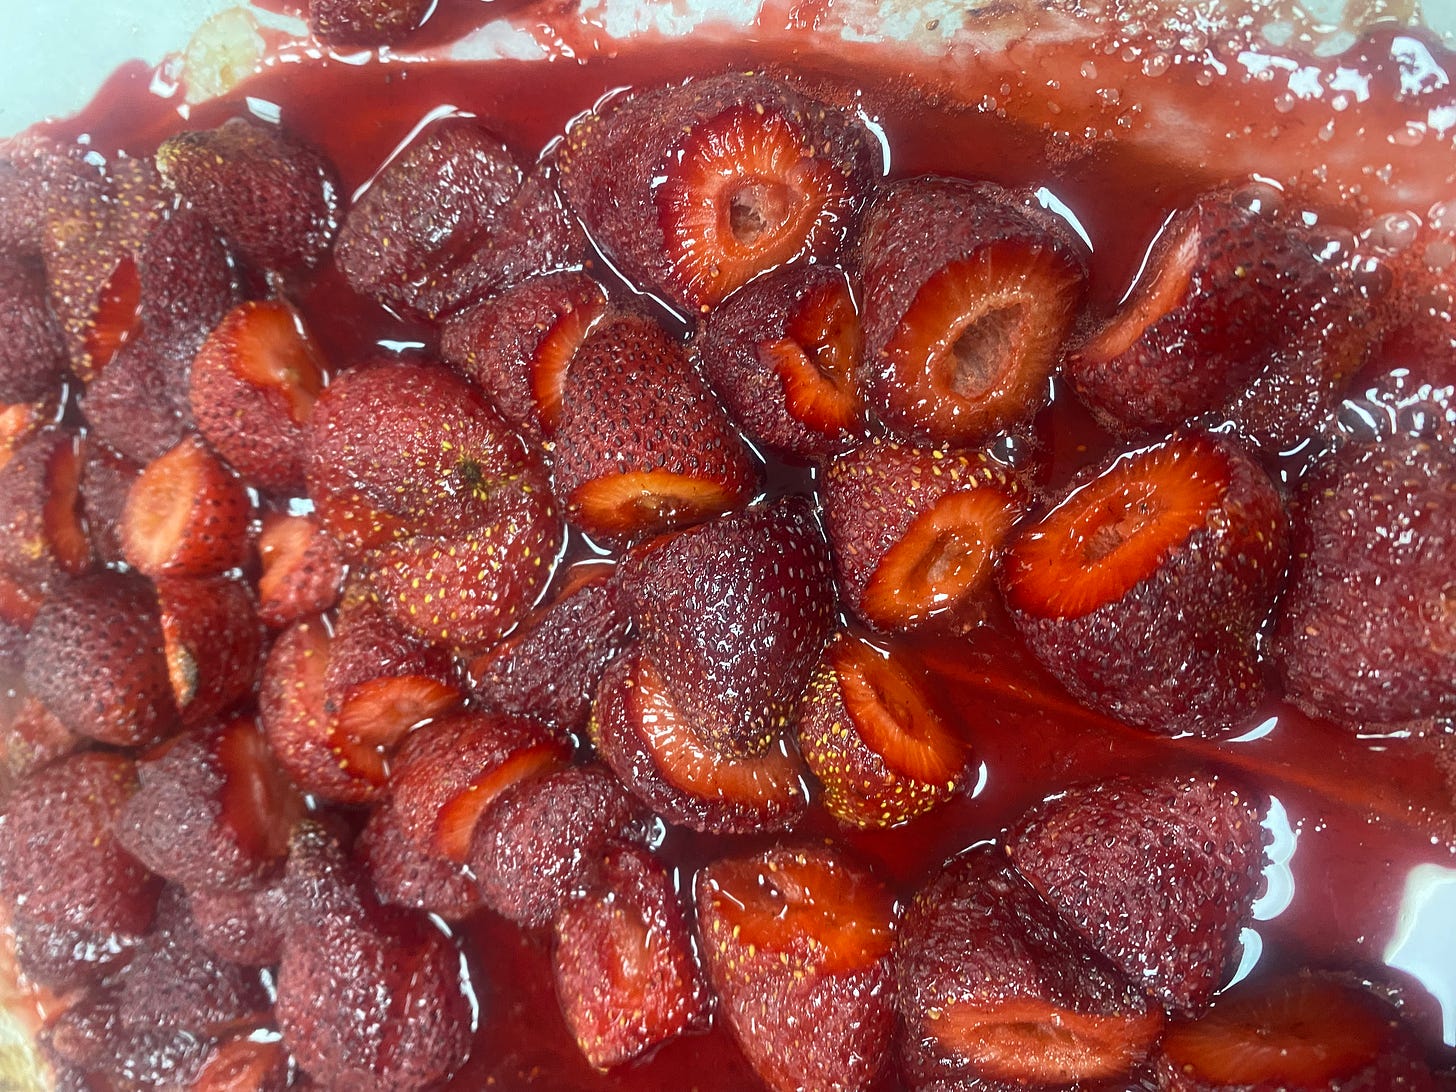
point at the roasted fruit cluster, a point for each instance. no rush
(315, 662)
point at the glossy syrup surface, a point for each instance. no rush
(1364, 829)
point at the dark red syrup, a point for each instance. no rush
(1367, 815)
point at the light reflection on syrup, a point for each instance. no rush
(1424, 942)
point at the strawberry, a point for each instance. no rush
(916, 533)
(273, 197)
(106, 480)
(969, 291)
(541, 842)
(186, 515)
(239, 926)
(138, 406)
(303, 568)
(734, 614)
(60, 957)
(1367, 631)
(996, 991)
(405, 875)
(366, 23)
(1295, 1031)
(30, 738)
(871, 734)
(96, 660)
(519, 343)
(19, 421)
(32, 357)
(60, 861)
(696, 189)
(1236, 312)
(550, 666)
(792, 932)
(42, 529)
(1144, 588)
(642, 446)
(91, 1037)
(1159, 874)
(214, 810)
(783, 353)
(451, 771)
(212, 640)
(252, 387)
(244, 1065)
(627, 975)
(640, 733)
(450, 220)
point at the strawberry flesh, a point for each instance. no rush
(42, 527)
(302, 569)
(186, 515)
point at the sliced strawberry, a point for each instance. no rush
(996, 991)
(642, 445)
(783, 354)
(96, 660)
(449, 772)
(106, 480)
(540, 844)
(1296, 1031)
(870, 732)
(273, 197)
(764, 572)
(366, 23)
(550, 666)
(303, 568)
(698, 188)
(213, 642)
(187, 515)
(405, 875)
(916, 533)
(29, 739)
(244, 1065)
(969, 291)
(32, 356)
(1159, 874)
(118, 314)
(42, 528)
(789, 932)
(518, 344)
(1144, 589)
(642, 735)
(239, 926)
(627, 975)
(252, 388)
(138, 406)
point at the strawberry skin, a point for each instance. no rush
(405, 875)
(186, 515)
(42, 530)
(32, 357)
(1143, 589)
(303, 568)
(1158, 874)
(213, 643)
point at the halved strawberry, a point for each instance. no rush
(1158, 873)
(252, 388)
(106, 480)
(627, 975)
(870, 732)
(275, 198)
(642, 445)
(698, 188)
(518, 344)
(996, 991)
(790, 932)
(662, 757)
(783, 354)
(138, 406)
(303, 568)
(19, 421)
(1295, 1031)
(30, 737)
(366, 23)
(734, 614)
(213, 642)
(917, 533)
(405, 875)
(42, 529)
(186, 515)
(96, 659)
(1144, 589)
(32, 357)
(969, 291)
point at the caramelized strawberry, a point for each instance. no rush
(96, 660)
(969, 291)
(405, 875)
(642, 446)
(1159, 874)
(366, 23)
(626, 972)
(303, 568)
(663, 758)
(1144, 588)
(783, 354)
(694, 596)
(187, 515)
(870, 732)
(42, 529)
(995, 991)
(252, 387)
(519, 343)
(698, 188)
(917, 533)
(273, 197)
(1296, 1031)
(32, 358)
(212, 640)
(791, 932)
